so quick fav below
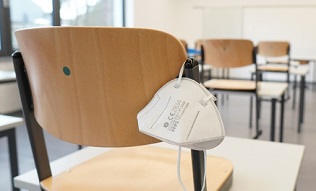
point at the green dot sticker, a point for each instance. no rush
(66, 71)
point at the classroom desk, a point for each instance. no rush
(7, 129)
(266, 91)
(261, 165)
(8, 124)
(274, 92)
(258, 165)
(302, 72)
(7, 76)
(297, 69)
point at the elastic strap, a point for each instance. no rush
(180, 75)
(179, 173)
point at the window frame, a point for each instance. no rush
(6, 47)
(5, 28)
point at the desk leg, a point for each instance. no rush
(272, 130)
(302, 103)
(13, 155)
(258, 130)
(250, 114)
(294, 92)
(281, 118)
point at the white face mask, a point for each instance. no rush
(183, 113)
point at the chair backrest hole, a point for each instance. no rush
(66, 71)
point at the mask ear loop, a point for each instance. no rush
(180, 76)
(179, 173)
(177, 85)
(178, 170)
(204, 178)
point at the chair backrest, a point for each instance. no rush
(228, 53)
(273, 48)
(89, 83)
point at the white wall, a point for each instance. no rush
(171, 16)
(189, 19)
(185, 18)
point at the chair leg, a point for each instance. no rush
(294, 92)
(258, 130)
(250, 114)
(259, 109)
(13, 155)
(282, 118)
(301, 104)
(272, 130)
(223, 99)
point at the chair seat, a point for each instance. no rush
(148, 168)
(272, 89)
(265, 89)
(222, 84)
(205, 67)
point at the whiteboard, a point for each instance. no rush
(293, 24)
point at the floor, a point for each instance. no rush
(235, 114)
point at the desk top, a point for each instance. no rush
(258, 165)
(8, 122)
(302, 61)
(261, 165)
(299, 70)
(272, 89)
(7, 76)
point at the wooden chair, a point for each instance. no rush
(229, 54)
(238, 53)
(85, 85)
(277, 57)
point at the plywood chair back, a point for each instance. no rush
(273, 48)
(227, 53)
(85, 91)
